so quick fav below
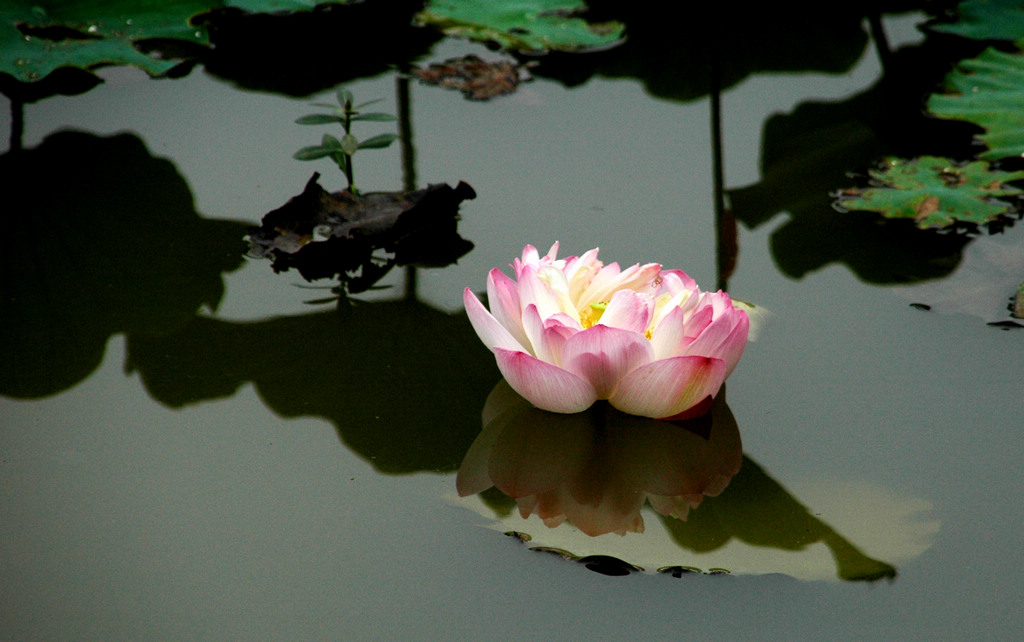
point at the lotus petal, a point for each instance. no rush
(544, 384)
(503, 300)
(578, 328)
(667, 387)
(629, 310)
(491, 332)
(603, 355)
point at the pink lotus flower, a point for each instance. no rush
(567, 332)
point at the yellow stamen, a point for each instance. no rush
(592, 314)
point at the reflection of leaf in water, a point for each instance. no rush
(101, 238)
(935, 192)
(672, 57)
(402, 382)
(754, 526)
(533, 26)
(807, 154)
(759, 511)
(324, 235)
(477, 79)
(306, 52)
(981, 286)
(986, 20)
(989, 92)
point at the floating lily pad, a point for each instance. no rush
(935, 192)
(39, 37)
(527, 25)
(986, 20)
(989, 93)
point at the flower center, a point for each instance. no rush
(592, 314)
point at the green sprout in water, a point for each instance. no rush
(341, 151)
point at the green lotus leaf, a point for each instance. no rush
(38, 37)
(523, 25)
(986, 20)
(935, 192)
(989, 92)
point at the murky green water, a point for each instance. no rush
(180, 462)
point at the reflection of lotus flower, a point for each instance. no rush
(568, 332)
(596, 469)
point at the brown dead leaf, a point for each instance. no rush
(477, 79)
(340, 234)
(928, 206)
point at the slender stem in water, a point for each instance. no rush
(404, 99)
(347, 124)
(348, 174)
(17, 123)
(725, 222)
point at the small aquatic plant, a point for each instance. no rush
(341, 151)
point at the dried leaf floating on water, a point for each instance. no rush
(323, 234)
(477, 79)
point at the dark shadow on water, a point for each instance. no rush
(401, 381)
(595, 470)
(757, 510)
(103, 238)
(672, 57)
(303, 53)
(100, 238)
(809, 153)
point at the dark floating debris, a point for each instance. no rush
(358, 238)
(680, 571)
(608, 565)
(1006, 325)
(477, 79)
(921, 306)
(603, 564)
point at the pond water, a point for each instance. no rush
(188, 450)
